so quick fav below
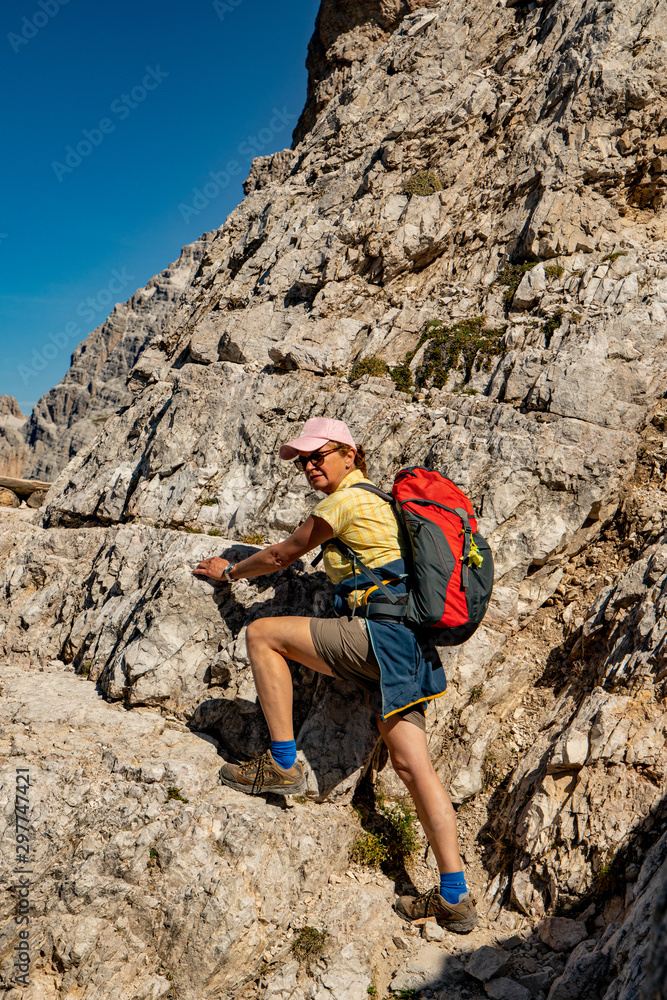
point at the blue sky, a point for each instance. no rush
(115, 112)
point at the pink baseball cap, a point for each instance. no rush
(317, 432)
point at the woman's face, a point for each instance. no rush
(327, 467)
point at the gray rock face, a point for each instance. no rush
(12, 442)
(443, 148)
(69, 416)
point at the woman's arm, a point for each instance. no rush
(313, 532)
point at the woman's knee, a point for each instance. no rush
(258, 633)
(411, 767)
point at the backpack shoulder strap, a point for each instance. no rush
(373, 489)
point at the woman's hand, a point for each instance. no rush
(313, 532)
(213, 568)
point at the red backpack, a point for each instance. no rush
(449, 564)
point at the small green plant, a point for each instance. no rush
(406, 994)
(468, 342)
(554, 270)
(614, 256)
(423, 183)
(475, 694)
(401, 837)
(402, 376)
(309, 945)
(215, 531)
(254, 538)
(369, 366)
(372, 991)
(85, 668)
(551, 324)
(575, 317)
(175, 793)
(369, 849)
(490, 771)
(193, 531)
(511, 276)
(152, 858)
(209, 502)
(607, 881)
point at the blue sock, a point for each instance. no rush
(452, 886)
(284, 753)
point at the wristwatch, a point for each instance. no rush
(226, 572)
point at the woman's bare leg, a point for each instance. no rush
(270, 643)
(409, 755)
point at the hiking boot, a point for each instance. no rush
(459, 917)
(257, 777)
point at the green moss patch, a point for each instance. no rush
(511, 276)
(423, 183)
(369, 366)
(468, 343)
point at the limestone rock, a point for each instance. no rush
(12, 441)
(70, 416)
(535, 134)
(561, 933)
(506, 989)
(486, 962)
(8, 498)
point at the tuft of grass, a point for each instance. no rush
(551, 324)
(175, 793)
(209, 502)
(475, 694)
(85, 668)
(369, 366)
(491, 775)
(254, 538)
(402, 840)
(152, 858)
(511, 276)
(467, 342)
(607, 881)
(369, 849)
(614, 256)
(215, 531)
(575, 317)
(423, 183)
(193, 531)
(372, 991)
(554, 271)
(309, 945)
(402, 376)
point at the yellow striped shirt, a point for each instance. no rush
(363, 521)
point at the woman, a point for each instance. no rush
(381, 656)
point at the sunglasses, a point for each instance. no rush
(316, 458)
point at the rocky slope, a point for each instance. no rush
(12, 440)
(465, 257)
(69, 416)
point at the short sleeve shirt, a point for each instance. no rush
(363, 521)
